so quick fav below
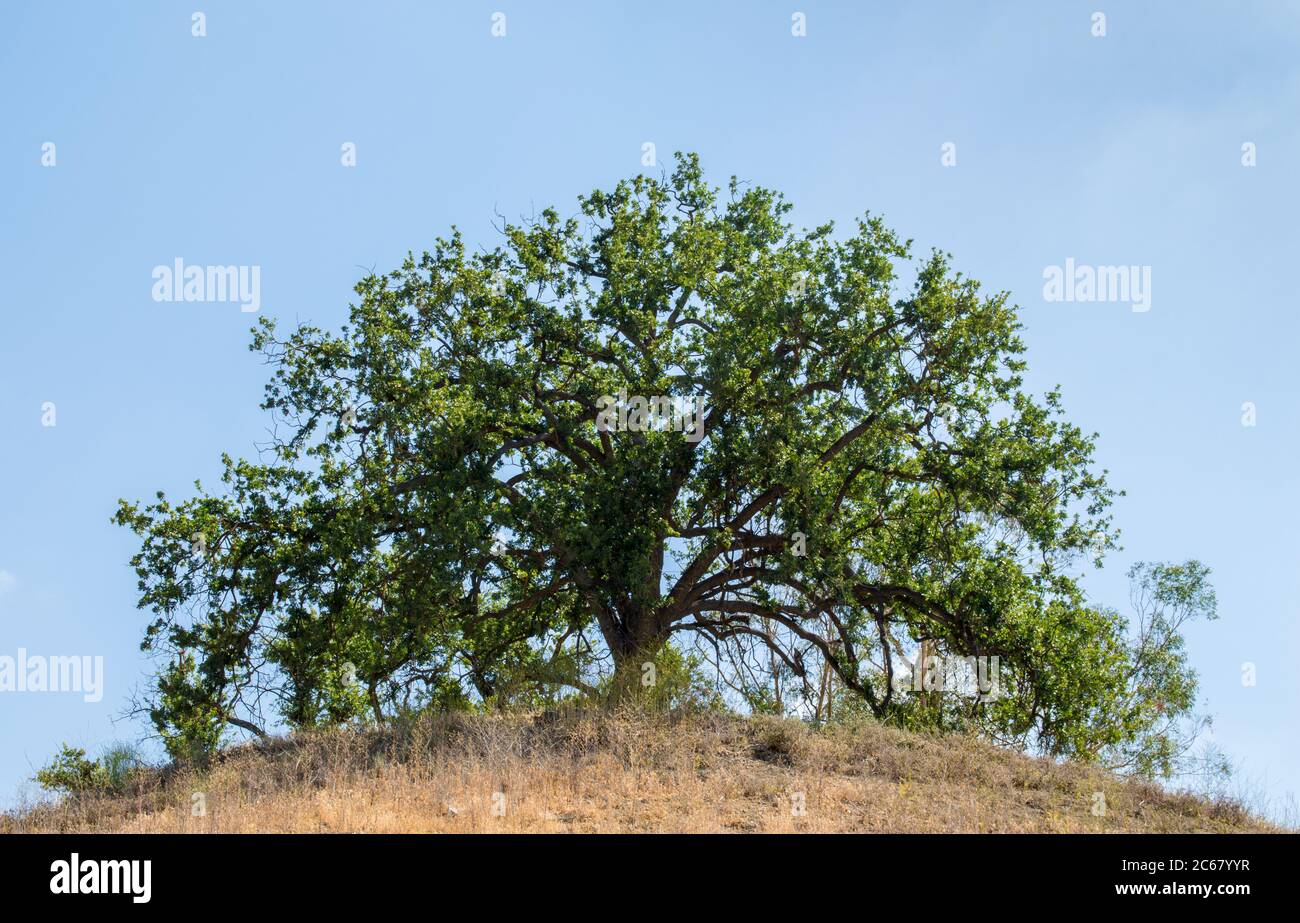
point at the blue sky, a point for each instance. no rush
(225, 149)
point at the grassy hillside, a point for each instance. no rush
(611, 773)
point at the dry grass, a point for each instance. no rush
(605, 773)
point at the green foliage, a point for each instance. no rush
(669, 680)
(188, 712)
(447, 517)
(120, 762)
(71, 772)
(1091, 684)
(1154, 705)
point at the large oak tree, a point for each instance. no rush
(441, 509)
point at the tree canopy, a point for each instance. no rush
(670, 417)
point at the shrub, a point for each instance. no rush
(70, 772)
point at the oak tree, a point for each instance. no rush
(672, 414)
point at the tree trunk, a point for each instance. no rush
(927, 696)
(641, 641)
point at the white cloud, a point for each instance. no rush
(7, 581)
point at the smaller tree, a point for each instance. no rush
(72, 773)
(1126, 697)
(1157, 705)
(1126, 700)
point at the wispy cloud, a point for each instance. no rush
(7, 581)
